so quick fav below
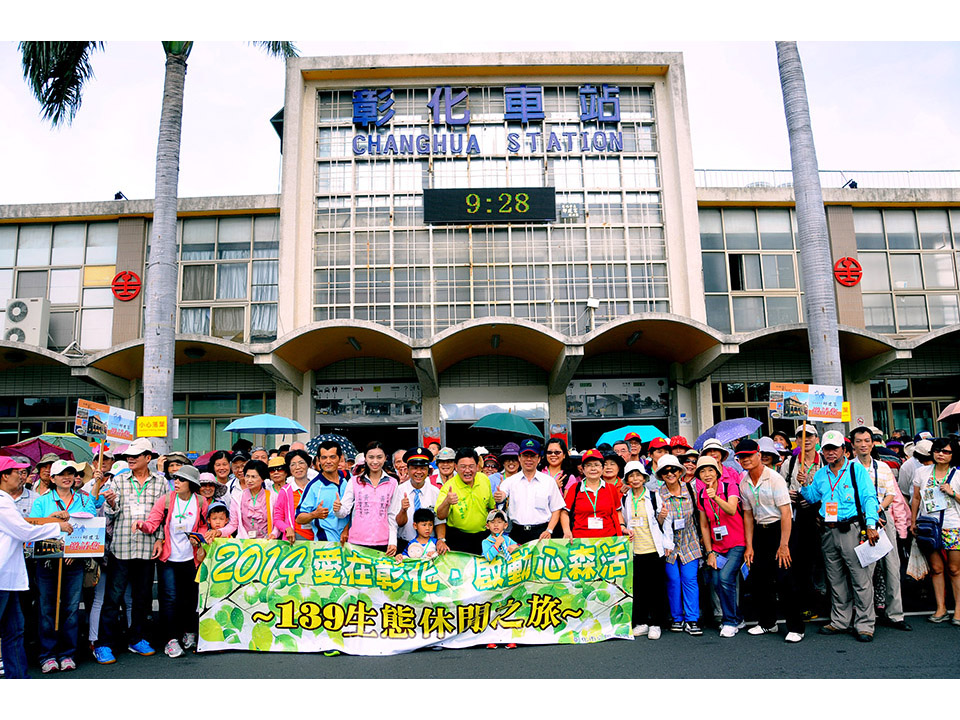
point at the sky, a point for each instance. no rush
(882, 100)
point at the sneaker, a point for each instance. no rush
(639, 630)
(142, 648)
(654, 633)
(49, 665)
(189, 641)
(692, 628)
(103, 655)
(67, 664)
(729, 631)
(741, 625)
(173, 649)
(793, 637)
(510, 646)
(757, 630)
(492, 646)
(676, 627)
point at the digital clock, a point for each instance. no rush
(490, 205)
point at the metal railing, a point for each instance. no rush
(830, 178)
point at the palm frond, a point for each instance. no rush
(56, 73)
(278, 48)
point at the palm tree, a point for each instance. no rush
(819, 301)
(56, 73)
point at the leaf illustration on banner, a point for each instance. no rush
(287, 643)
(219, 590)
(236, 618)
(262, 636)
(210, 630)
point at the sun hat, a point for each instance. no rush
(666, 462)
(714, 444)
(190, 474)
(635, 465)
(208, 478)
(707, 461)
(276, 462)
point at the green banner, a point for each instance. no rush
(270, 595)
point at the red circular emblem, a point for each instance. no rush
(847, 271)
(126, 285)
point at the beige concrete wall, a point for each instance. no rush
(843, 243)
(131, 245)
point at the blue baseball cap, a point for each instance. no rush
(529, 446)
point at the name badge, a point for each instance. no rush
(679, 524)
(252, 534)
(638, 521)
(830, 511)
(720, 532)
(594, 522)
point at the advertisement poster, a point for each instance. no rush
(619, 398)
(819, 403)
(88, 539)
(96, 421)
(315, 596)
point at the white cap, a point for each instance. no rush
(811, 430)
(832, 438)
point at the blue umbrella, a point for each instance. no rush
(728, 430)
(348, 449)
(646, 433)
(266, 424)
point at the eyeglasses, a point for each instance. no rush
(944, 451)
(554, 452)
(671, 471)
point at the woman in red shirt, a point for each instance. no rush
(594, 504)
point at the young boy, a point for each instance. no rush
(217, 517)
(497, 544)
(423, 545)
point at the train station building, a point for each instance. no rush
(461, 234)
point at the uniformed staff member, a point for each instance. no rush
(412, 495)
(534, 500)
(851, 586)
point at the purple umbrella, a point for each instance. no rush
(35, 448)
(728, 430)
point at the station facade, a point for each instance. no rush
(462, 234)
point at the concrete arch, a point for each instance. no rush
(856, 344)
(918, 341)
(14, 354)
(530, 341)
(126, 359)
(666, 336)
(321, 343)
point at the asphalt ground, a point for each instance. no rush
(929, 651)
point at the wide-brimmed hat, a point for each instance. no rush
(139, 447)
(767, 446)
(48, 458)
(707, 461)
(714, 444)
(668, 461)
(635, 465)
(206, 478)
(190, 474)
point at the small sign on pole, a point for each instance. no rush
(152, 426)
(845, 413)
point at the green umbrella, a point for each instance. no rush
(508, 422)
(68, 441)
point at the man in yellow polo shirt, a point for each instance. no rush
(464, 501)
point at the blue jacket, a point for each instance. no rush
(819, 491)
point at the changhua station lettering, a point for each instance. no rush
(522, 104)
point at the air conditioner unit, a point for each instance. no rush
(27, 321)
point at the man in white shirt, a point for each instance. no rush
(535, 501)
(410, 496)
(14, 532)
(886, 488)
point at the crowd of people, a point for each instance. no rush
(763, 529)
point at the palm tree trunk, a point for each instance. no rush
(161, 275)
(816, 276)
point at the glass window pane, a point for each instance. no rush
(899, 388)
(744, 272)
(102, 243)
(868, 227)
(938, 271)
(68, 244)
(747, 314)
(197, 282)
(911, 312)
(251, 403)
(778, 272)
(876, 275)
(943, 310)
(96, 329)
(223, 439)
(62, 329)
(6, 287)
(198, 238)
(32, 283)
(199, 435)
(98, 297)
(782, 311)
(233, 238)
(195, 321)
(718, 312)
(878, 313)
(775, 229)
(740, 229)
(8, 245)
(34, 247)
(213, 404)
(901, 229)
(266, 236)
(231, 281)
(732, 392)
(227, 323)
(714, 272)
(906, 272)
(934, 229)
(64, 287)
(263, 322)
(43, 407)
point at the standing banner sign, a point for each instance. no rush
(95, 420)
(817, 403)
(316, 596)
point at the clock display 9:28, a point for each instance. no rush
(506, 203)
(489, 205)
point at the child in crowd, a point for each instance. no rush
(422, 546)
(498, 544)
(217, 518)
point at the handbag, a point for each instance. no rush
(929, 535)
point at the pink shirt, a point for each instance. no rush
(718, 517)
(247, 515)
(369, 505)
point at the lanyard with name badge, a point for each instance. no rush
(831, 509)
(594, 522)
(678, 522)
(719, 531)
(639, 519)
